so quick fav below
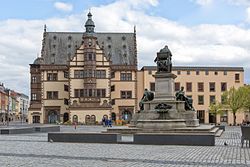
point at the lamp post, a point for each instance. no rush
(8, 106)
(22, 112)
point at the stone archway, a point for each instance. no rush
(35, 119)
(87, 119)
(75, 119)
(65, 117)
(113, 116)
(52, 117)
(126, 115)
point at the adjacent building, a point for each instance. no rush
(85, 76)
(205, 85)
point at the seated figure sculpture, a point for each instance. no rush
(147, 96)
(180, 96)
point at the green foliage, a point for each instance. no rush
(234, 100)
(247, 97)
(216, 108)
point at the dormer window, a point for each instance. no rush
(90, 42)
(108, 38)
(54, 37)
(123, 38)
(69, 37)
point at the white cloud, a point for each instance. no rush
(67, 7)
(203, 2)
(206, 44)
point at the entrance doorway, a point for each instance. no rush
(35, 119)
(126, 115)
(75, 119)
(113, 116)
(201, 115)
(212, 118)
(65, 117)
(52, 117)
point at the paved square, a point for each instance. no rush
(30, 150)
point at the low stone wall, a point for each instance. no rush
(47, 129)
(138, 138)
(83, 137)
(17, 130)
(30, 129)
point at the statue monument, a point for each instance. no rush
(165, 110)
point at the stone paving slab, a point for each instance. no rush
(30, 150)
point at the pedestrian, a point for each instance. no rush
(75, 125)
(110, 122)
(103, 121)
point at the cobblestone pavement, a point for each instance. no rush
(28, 150)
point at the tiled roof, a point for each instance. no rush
(197, 68)
(59, 47)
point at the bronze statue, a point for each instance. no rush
(164, 60)
(180, 96)
(147, 96)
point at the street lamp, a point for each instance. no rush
(8, 103)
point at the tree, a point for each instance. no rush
(234, 100)
(247, 97)
(216, 108)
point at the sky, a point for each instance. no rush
(198, 32)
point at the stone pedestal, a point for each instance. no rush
(164, 86)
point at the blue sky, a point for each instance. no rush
(184, 11)
(198, 32)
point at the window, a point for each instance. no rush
(77, 93)
(66, 101)
(200, 87)
(33, 96)
(223, 86)
(100, 74)
(189, 96)
(178, 72)
(89, 57)
(149, 72)
(126, 77)
(212, 86)
(78, 74)
(189, 86)
(206, 72)
(33, 79)
(237, 77)
(126, 94)
(223, 99)
(112, 74)
(225, 72)
(188, 72)
(197, 72)
(216, 73)
(66, 74)
(113, 102)
(52, 76)
(52, 95)
(101, 92)
(152, 86)
(200, 100)
(66, 88)
(112, 88)
(212, 99)
(177, 86)
(89, 73)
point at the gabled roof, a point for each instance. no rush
(60, 47)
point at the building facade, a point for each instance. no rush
(205, 85)
(83, 77)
